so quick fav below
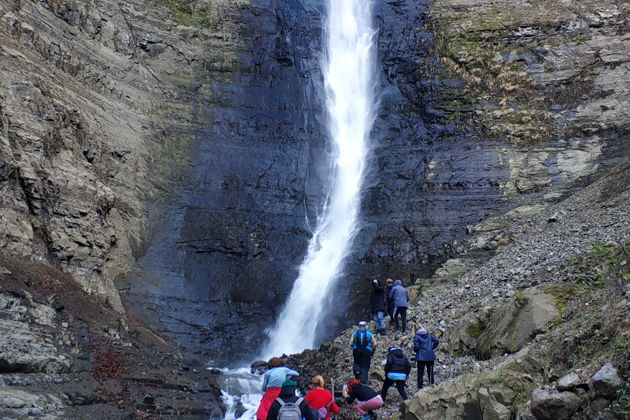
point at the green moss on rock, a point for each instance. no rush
(192, 13)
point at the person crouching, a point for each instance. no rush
(369, 400)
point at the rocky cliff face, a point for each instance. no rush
(222, 261)
(168, 150)
(176, 151)
(487, 106)
(75, 115)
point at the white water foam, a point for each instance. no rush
(349, 68)
(241, 392)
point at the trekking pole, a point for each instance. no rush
(332, 389)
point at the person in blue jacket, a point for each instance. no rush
(363, 344)
(272, 385)
(424, 345)
(400, 297)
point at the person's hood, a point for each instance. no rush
(398, 283)
(287, 391)
(422, 332)
(397, 353)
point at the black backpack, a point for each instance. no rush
(361, 339)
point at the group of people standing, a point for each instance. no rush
(393, 298)
(281, 402)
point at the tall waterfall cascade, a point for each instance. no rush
(349, 66)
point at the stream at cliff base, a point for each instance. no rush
(241, 393)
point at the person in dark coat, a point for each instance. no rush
(397, 371)
(287, 394)
(401, 299)
(377, 305)
(389, 300)
(424, 345)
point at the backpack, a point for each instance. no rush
(361, 339)
(289, 410)
(321, 412)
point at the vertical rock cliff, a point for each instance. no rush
(172, 152)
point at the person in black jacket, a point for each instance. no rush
(397, 371)
(369, 400)
(377, 306)
(287, 395)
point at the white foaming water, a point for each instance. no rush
(350, 99)
(241, 393)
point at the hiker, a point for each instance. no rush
(377, 305)
(363, 344)
(272, 382)
(369, 399)
(289, 406)
(389, 300)
(400, 298)
(320, 399)
(424, 345)
(397, 370)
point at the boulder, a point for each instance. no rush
(570, 382)
(462, 339)
(259, 367)
(452, 268)
(606, 382)
(487, 395)
(377, 373)
(528, 313)
(547, 405)
(414, 293)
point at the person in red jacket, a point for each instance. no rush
(318, 397)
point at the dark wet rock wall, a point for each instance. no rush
(235, 228)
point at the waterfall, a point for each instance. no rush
(349, 66)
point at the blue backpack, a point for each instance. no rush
(361, 339)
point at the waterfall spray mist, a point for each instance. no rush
(349, 68)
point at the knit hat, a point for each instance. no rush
(362, 323)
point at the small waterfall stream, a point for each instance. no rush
(349, 68)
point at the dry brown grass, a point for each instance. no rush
(108, 364)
